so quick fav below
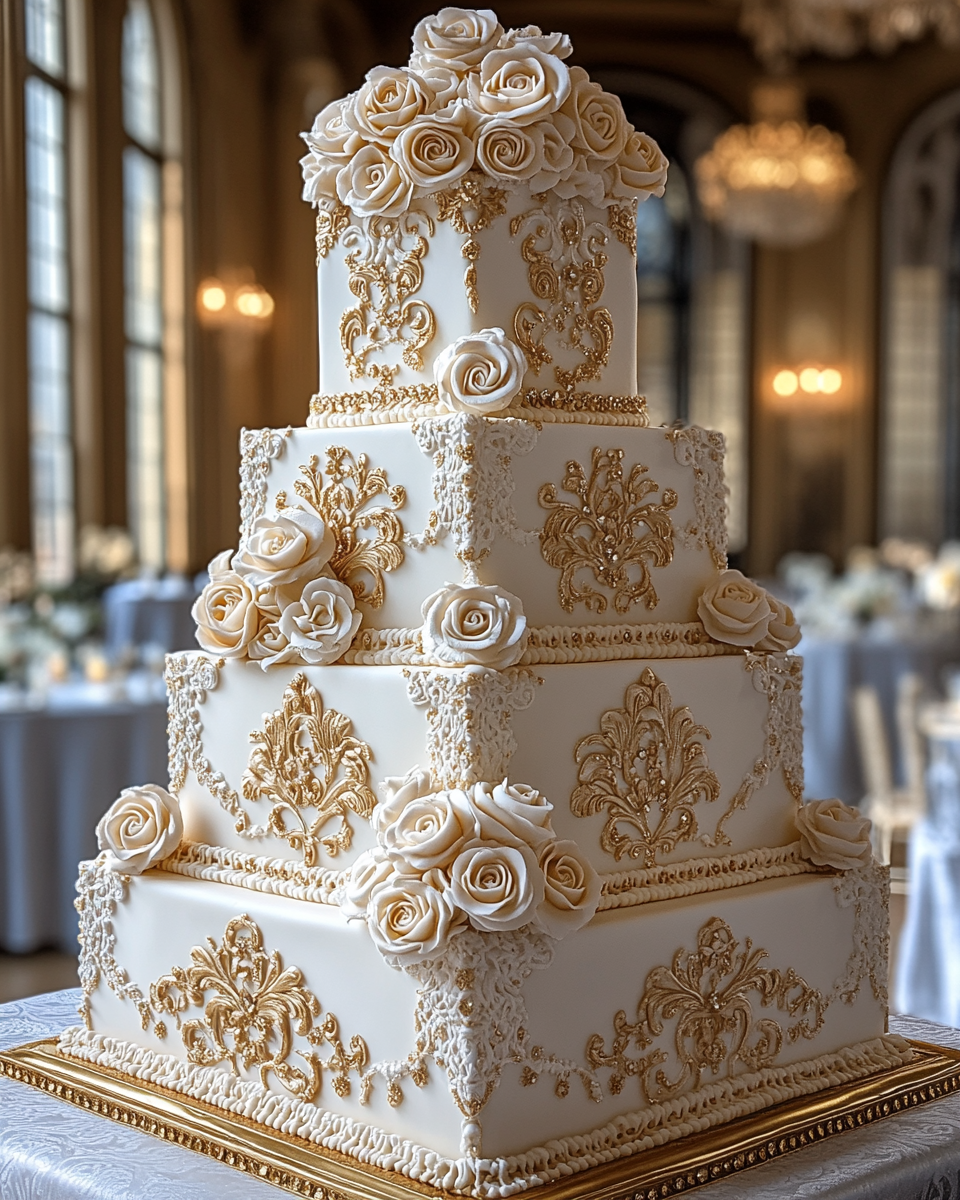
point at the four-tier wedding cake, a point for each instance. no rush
(484, 857)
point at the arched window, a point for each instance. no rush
(46, 103)
(692, 283)
(919, 493)
(153, 287)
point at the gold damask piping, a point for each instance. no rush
(553, 644)
(407, 402)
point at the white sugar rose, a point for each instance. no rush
(321, 625)
(398, 791)
(226, 613)
(429, 833)
(735, 610)
(331, 143)
(833, 835)
(583, 180)
(458, 38)
(556, 153)
(290, 548)
(269, 645)
(601, 126)
(411, 918)
(433, 153)
(141, 827)
(474, 623)
(571, 889)
(372, 184)
(550, 43)
(498, 887)
(507, 150)
(219, 565)
(481, 372)
(370, 869)
(509, 813)
(641, 168)
(521, 82)
(783, 632)
(390, 100)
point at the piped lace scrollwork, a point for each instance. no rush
(469, 729)
(258, 447)
(703, 450)
(780, 678)
(473, 482)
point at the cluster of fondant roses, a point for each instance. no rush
(483, 856)
(276, 601)
(738, 611)
(477, 97)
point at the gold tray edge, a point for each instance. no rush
(305, 1169)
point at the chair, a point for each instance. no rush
(891, 809)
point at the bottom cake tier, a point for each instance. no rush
(513, 1060)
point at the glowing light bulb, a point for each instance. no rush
(253, 301)
(213, 296)
(830, 381)
(810, 380)
(785, 383)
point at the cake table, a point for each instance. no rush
(52, 1151)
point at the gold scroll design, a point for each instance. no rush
(711, 994)
(647, 770)
(565, 260)
(385, 274)
(331, 222)
(253, 1010)
(470, 207)
(616, 529)
(306, 757)
(622, 219)
(345, 502)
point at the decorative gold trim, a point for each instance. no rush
(554, 644)
(304, 1169)
(407, 402)
(646, 767)
(470, 207)
(344, 502)
(599, 532)
(622, 220)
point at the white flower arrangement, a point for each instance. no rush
(274, 600)
(477, 97)
(484, 857)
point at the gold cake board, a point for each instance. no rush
(305, 1169)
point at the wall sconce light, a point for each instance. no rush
(245, 306)
(803, 382)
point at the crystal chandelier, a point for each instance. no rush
(783, 29)
(778, 181)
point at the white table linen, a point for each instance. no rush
(50, 1150)
(139, 612)
(59, 772)
(832, 668)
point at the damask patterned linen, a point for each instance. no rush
(52, 1151)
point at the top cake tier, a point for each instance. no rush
(476, 230)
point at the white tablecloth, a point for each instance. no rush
(928, 974)
(832, 668)
(52, 1151)
(59, 772)
(142, 611)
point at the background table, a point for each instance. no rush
(52, 1151)
(152, 612)
(928, 964)
(832, 668)
(59, 772)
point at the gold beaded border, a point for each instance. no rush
(304, 1169)
(404, 402)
